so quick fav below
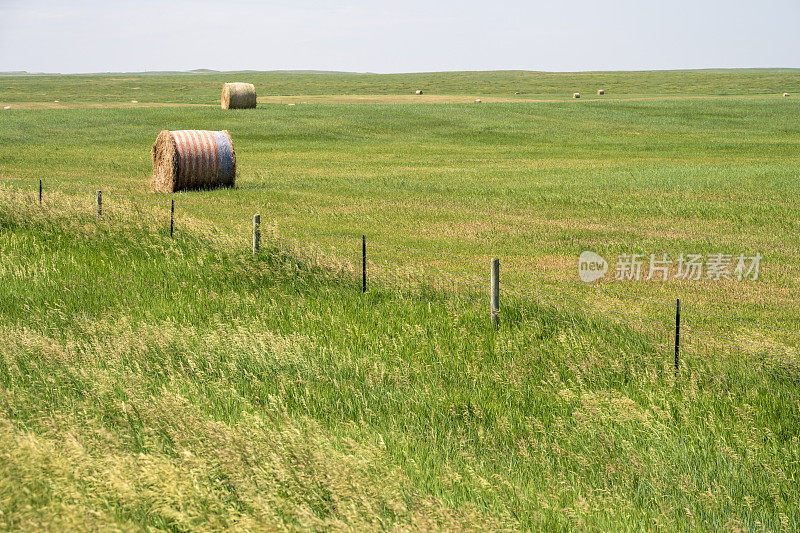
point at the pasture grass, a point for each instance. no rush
(304, 404)
(177, 384)
(533, 183)
(205, 88)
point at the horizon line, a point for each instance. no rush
(200, 71)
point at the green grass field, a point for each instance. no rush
(306, 404)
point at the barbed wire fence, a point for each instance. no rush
(666, 340)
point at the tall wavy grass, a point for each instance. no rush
(184, 384)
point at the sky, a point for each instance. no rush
(396, 36)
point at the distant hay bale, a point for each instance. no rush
(238, 96)
(785, 95)
(477, 100)
(576, 95)
(601, 92)
(516, 92)
(193, 159)
(419, 91)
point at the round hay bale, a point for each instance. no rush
(477, 100)
(785, 95)
(516, 92)
(238, 96)
(601, 92)
(576, 95)
(419, 91)
(193, 159)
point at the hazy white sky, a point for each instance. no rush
(397, 36)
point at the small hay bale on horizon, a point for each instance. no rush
(601, 92)
(418, 92)
(785, 95)
(477, 100)
(193, 159)
(516, 92)
(238, 96)
(576, 95)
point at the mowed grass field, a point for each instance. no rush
(308, 405)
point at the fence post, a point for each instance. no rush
(494, 301)
(99, 203)
(363, 263)
(256, 233)
(40, 191)
(677, 334)
(172, 218)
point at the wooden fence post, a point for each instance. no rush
(40, 191)
(494, 301)
(256, 233)
(172, 218)
(99, 203)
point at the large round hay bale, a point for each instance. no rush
(601, 92)
(576, 95)
(193, 159)
(419, 91)
(238, 96)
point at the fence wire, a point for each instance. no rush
(705, 353)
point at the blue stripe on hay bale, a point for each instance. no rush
(223, 149)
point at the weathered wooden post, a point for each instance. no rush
(172, 218)
(40, 191)
(99, 203)
(494, 302)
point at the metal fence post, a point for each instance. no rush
(40, 191)
(363, 263)
(256, 233)
(172, 218)
(494, 302)
(677, 334)
(99, 203)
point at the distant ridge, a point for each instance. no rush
(26, 73)
(205, 71)
(180, 72)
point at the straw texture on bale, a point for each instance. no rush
(193, 159)
(238, 96)
(576, 95)
(601, 91)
